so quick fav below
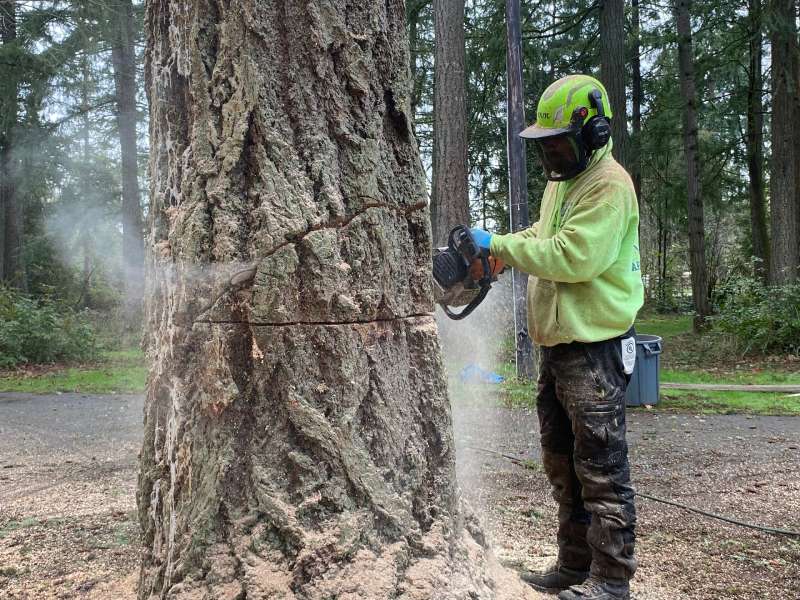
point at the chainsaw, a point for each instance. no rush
(463, 273)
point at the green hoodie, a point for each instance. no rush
(582, 255)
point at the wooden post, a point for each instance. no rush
(517, 182)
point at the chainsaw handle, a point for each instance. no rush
(469, 307)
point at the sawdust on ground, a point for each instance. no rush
(67, 504)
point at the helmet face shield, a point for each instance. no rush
(563, 156)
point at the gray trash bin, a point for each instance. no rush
(643, 387)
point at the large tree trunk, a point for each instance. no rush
(784, 254)
(13, 268)
(697, 249)
(123, 55)
(755, 144)
(298, 438)
(612, 72)
(637, 98)
(450, 201)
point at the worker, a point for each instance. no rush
(584, 291)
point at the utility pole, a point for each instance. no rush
(517, 182)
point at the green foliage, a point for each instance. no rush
(41, 331)
(759, 317)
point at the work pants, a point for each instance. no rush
(581, 408)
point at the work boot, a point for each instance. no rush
(553, 578)
(595, 588)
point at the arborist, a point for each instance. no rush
(584, 291)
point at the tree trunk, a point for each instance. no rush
(450, 199)
(784, 255)
(298, 440)
(123, 56)
(637, 98)
(13, 269)
(414, 9)
(796, 96)
(697, 250)
(612, 72)
(755, 144)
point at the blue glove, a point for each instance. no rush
(482, 237)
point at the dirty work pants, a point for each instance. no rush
(581, 408)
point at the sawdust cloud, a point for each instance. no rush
(477, 340)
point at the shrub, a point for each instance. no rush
(760, 318)
(41, 331)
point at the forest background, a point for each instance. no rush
(704, 94)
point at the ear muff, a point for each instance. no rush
(597, 130)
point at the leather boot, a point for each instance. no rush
(595, 588)
(553, 578)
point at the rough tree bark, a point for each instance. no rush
(612, 72)
(298, 438)
(450, 198)
(755, 143)
(784, 254)
(694, 198)
(123, 56)
(13, 268)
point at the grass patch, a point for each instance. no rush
(755, 377)
(16, 525)
(666, 326)
(683, 352)
(118, 371)
(727, 403)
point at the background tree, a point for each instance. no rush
(784, 253)
(450, 199)
(612, 73)
(121, 26)
(755, 141)
(697, 249)
(298, 426)
(13, 268)
(635, 143)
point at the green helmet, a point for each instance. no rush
(572, 121)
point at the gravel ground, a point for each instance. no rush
(734, 465)
(68, 478)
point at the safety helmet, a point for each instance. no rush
(572, 121)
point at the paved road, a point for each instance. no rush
(33, 425)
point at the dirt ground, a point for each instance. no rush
(68, 478)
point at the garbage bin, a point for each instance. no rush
(643, 387)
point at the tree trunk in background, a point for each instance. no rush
(413, 9)
(298, 439)
(612, 72)
(783, 180)
(794, 91)
(697, 251)
(123, 54)
(755, 144)
(13, 270)
(450, 198)
(635, 145)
